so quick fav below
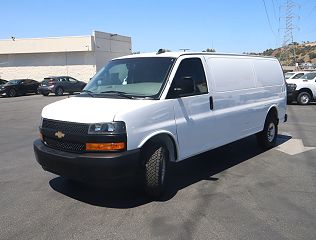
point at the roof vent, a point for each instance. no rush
(161, 50)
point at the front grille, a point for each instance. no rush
(70, 127)
(66, 146)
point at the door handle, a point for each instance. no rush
(211, 103)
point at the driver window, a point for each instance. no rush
(190, 68)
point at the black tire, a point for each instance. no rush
(267, 137)
(156, 158)
(45, 93)
(303, 98)
(12, 92)
(59, 91)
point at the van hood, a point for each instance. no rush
(91, 110)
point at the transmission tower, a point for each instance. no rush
(288, 54)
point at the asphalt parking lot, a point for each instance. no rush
(234, 192)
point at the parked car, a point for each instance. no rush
(59, 85)
(2, 82)
(141, 112)
(294, 75)
(303, 90)
(19, 86)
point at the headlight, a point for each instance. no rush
(107, 128)
(291, 86)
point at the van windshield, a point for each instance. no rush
(138, 77)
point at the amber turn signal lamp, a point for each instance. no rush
(105, 146)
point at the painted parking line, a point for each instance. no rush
(293, 147)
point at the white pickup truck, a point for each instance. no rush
(302, 90)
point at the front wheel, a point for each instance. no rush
(59, 91)
(267, 137)
(304, 98)
(156, 158)
(12, 92)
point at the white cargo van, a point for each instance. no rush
(143, 111)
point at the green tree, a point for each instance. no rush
(268, 52)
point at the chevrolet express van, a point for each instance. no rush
(143, 111)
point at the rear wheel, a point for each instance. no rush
(45, 93)
(156, 158)
(304, 98)
(267, 137)
(59, 91)
(12, 92)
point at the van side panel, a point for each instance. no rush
(241, 102)
(271, 84)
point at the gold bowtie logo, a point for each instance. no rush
(59, 134)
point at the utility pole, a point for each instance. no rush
(288, 47)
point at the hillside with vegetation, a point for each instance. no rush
(305, 53)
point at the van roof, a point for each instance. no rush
(179, 54)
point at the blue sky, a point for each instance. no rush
(226, 25)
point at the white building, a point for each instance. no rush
(79, 56)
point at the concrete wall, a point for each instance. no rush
(80, 72)
(79, 57)
(40, 45)
(80, 65)
(108, 46)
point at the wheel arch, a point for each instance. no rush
(306, 90)
(163, 137)
(273, 110)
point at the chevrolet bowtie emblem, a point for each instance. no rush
(59, 134)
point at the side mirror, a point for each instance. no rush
(184, 87)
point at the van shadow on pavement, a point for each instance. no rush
(182, 175)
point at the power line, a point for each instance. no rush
(267, 15)
(274, 13)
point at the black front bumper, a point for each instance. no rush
(291, 96)
(88, 167)
(3, 92)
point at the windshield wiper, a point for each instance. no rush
(89, 92)
(121, 94)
